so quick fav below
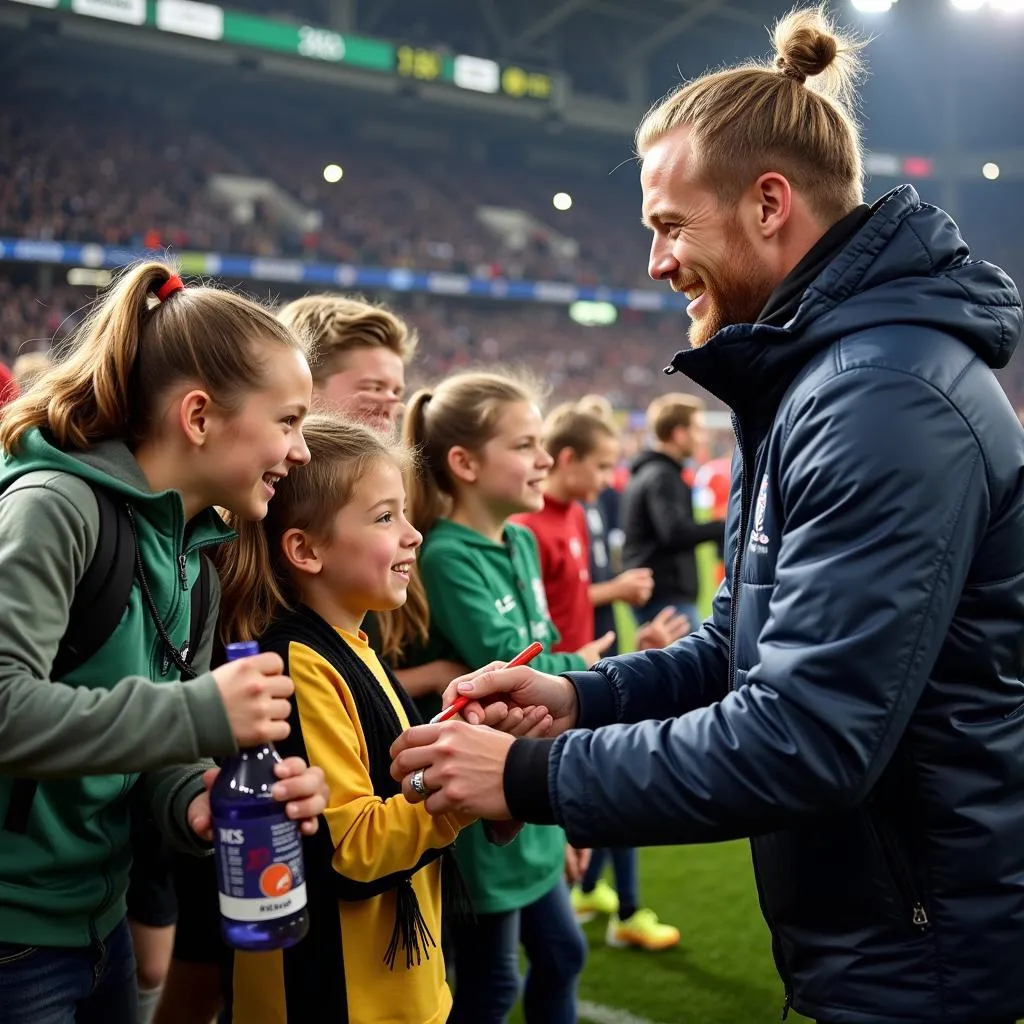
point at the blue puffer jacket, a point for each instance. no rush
(856, 701)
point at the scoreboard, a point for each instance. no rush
(475, 73)
(217, 24)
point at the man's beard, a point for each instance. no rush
(738, 294)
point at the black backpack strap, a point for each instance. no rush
(96, 609)
(199, 611)
(103, 591)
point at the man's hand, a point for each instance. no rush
(495, 691)
(302, 788)
(665, 628)
(463, 768)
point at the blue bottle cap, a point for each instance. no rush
(242, 649)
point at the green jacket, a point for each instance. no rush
(87, 736)
(487, 603)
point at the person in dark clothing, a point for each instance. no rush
(853, 704)
(657, 508)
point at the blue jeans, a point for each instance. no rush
(624, 867)
(487, 963)
(81, 985)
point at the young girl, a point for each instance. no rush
(335, 546)
(481, 461)
(174, 400)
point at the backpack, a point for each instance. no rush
(100, 599)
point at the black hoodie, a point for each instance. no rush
(661, 534)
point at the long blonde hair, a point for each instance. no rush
(132, 348)
(255, 582)
(794, 116)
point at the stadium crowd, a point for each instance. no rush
(68, 176)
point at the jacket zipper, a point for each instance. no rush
(737, 562)
(900, 875)
(746, 472)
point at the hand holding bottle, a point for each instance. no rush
(255, 694)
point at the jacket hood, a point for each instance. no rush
(907, 265)
(108, 464)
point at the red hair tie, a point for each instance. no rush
(169, 287)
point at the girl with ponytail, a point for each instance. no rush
(480, 461)
(171, 400)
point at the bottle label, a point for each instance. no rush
(259, 868)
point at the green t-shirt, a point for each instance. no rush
(486, 604)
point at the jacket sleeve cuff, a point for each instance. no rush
(170, 793)
(595, 699)
(212, 728)
(526, 781)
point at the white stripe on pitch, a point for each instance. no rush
(598, 1014)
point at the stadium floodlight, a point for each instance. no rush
(990, 171)
(873, 6)
(561, 201)
(333, 173)
(968, 5)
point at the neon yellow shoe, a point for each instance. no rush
(643, 929)
(602, 899)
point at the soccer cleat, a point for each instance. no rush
(602, 899)
(643, 930)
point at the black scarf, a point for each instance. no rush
(381, 727)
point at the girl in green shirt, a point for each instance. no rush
(481, 460)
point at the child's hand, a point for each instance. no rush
(592, 652)
(665, 628)
(634, 586)
(576, 864)
(531, 721)
(302, 788)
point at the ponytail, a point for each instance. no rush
(427, 489)
(147, 334)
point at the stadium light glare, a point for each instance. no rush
(990, 171)
(873, 6)
(561, 201)
(1008, 6)
(968, 5)
(333, 173)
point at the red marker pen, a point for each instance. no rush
(522, 658)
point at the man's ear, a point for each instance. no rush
(772, 195)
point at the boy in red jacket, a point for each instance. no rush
(585, 448)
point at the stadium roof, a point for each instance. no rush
(600, 43)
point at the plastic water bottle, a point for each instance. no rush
(261, 879)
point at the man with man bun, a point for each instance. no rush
(854, 703)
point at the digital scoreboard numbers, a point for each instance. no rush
(422, 64)
(475, 74)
